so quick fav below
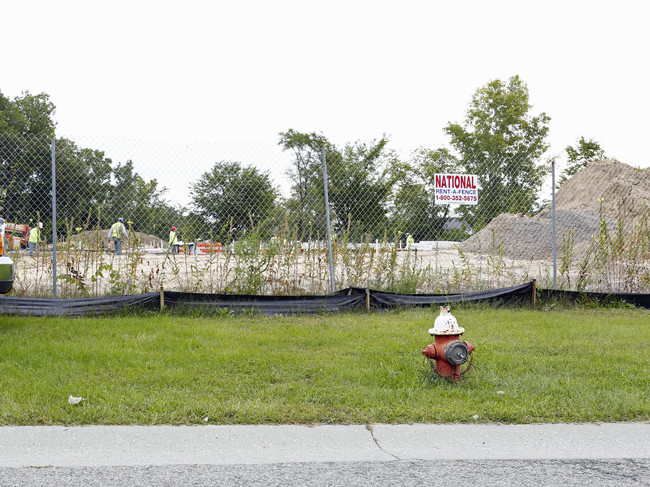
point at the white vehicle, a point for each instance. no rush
(7, 268)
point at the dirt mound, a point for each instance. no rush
(625, 190)
(625, 194)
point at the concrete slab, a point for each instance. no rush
(521, 442)
(178, 445)
(99, 446)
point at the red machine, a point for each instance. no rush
(447, 354)
(17, 235)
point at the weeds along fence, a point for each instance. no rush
(253, 219)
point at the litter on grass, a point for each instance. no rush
(74, 400)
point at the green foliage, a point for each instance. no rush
(140, 201)
(502, 143)
(235, 197)
(415, 210)
(360, 183)
(566, 256)
(616, 259)
(27, 115)
(252, 264)
(26, 130)
(580, 156)
(89, 186)
(306, 206)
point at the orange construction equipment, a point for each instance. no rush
(17, 235)
(209, 248)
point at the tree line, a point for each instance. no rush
(373, 193)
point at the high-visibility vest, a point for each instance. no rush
(34, 235)
(117, 230)
(173, 239)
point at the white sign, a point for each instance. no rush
(456, 189)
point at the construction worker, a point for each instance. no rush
(409, 241)
(173, 241)
(34, 237)
(117, 232)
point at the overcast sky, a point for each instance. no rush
(231, 71)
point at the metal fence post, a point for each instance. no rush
(54, 218)
(554, 236)
(327, 218)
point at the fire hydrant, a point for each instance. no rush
(447, 354)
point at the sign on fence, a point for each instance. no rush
(456, 189)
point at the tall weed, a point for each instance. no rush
(618, 259)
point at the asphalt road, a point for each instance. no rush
(401, 455)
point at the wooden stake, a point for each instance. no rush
(368, 300)
(162, 297)
(534, 292)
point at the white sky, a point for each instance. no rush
(243, 71)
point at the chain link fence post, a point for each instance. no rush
(554, 222)
(53, 218)
(327, 221)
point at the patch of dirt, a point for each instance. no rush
(98, 239)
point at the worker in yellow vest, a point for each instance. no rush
(173, 241)
(409, 241)
(117, 232)
(34, 237)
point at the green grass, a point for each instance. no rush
(555, 366)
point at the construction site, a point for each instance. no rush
(602, 244)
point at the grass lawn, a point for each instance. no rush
(530, 366)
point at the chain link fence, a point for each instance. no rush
(252, 218)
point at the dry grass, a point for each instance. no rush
(616, 260)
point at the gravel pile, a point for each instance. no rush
(626, 195)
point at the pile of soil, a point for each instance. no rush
(624, 189)
(625, 194)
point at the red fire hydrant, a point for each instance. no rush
(447, 353)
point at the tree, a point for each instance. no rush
(27, 115)
(359, 184)
(415, 210)
(26, 130)
(502, 143)
(234, 197)
(132, 197)
(586, 151)
(306, 206)
(89, 190)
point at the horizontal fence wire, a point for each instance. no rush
(249, 218)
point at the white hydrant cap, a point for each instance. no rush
(446, 324)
